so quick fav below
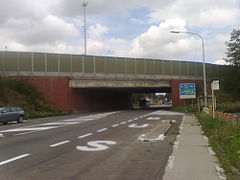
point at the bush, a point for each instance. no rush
(23, 94)
(230, 107)
(225, 141)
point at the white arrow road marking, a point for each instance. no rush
(96, 146)
(85, 135)
(60, 143)
(13, 159)
(136, 126)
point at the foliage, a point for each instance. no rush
(187, 109)
(230, 107)
(225, 141)
(229, 85)
(23, 94)
(233, 48)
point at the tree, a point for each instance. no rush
(233, 48)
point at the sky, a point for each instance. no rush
(136, 28)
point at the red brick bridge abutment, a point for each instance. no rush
(93, 94)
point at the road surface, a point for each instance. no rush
(112, 145)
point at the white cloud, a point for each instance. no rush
(216, 47)
(56, 26)
(221, 62)
(158, 42)
(96, 32)
(215, 13)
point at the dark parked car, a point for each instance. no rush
(11, 113)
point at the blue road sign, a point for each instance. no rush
(187, 91)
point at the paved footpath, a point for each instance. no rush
(191, 158)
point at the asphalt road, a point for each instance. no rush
(91, 146)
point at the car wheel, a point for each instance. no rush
(5, 123)
(20, 119)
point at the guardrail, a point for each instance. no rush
(233, 118)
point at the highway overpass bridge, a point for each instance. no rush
(78, 82)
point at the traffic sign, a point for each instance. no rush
(187, 91)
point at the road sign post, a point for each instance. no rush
(214, 87)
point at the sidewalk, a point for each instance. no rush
(191, 159)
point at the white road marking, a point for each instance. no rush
(160, 112)
(96, 146)
(85, 135)
(135, 119)
(52, 125)
(1, 135)
(136, 126)
(28, 129)
(115, 125)
(101, 130)
(59, 123)
(130, 120)
(159, 138)
(60, 143)
(124, 122)
(13, 159)
(24, 133)
(153, 118)
(78, 120)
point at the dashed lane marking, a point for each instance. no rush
(13, 159)
(85, 135)
(59, 144)
(124, 122)
(101, 130)
(115, 125)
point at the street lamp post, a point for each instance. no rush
(84, 5)
(204, 67)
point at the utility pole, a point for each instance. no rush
(203, 57)
(84, 5)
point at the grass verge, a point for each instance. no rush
(225, 141)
